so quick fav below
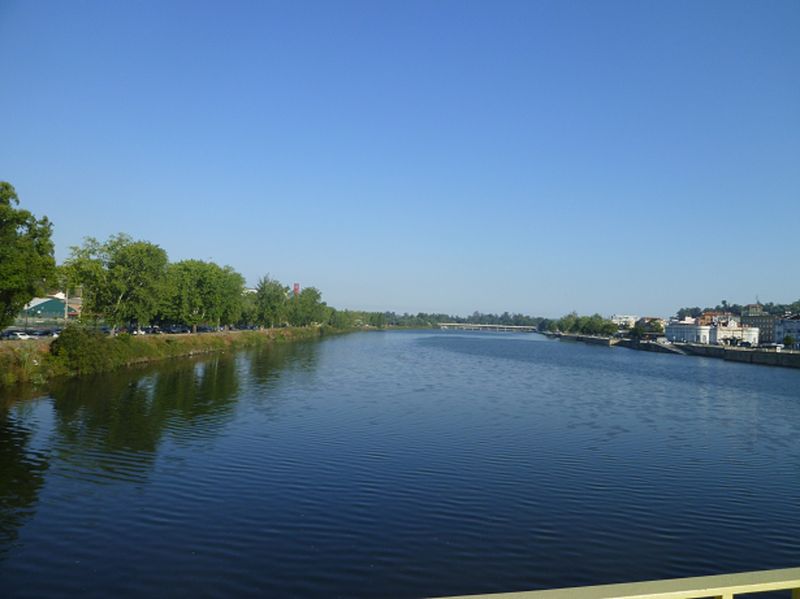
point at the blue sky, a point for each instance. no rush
(537, 156)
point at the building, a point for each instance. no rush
(47, 308)
(710, 317)
(624, 321)
(732, 333)
(753, 315)
(728, 333)
(688, 331)
(788, 326)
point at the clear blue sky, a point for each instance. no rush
(535, 156)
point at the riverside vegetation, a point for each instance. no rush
(81, 350)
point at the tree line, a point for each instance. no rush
(576, 324)
(132, 283)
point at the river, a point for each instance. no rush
(399, 464)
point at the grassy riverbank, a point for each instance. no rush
(81, 351)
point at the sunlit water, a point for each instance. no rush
(399, 464)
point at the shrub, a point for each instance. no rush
(82, 351)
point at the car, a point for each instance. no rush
(177, 328)
(19, 335)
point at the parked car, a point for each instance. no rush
(177, 328)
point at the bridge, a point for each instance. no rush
(496, 328)
(725, 586)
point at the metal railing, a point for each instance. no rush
(725, 586)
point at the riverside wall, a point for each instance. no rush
(788, 359)
(590, 339)
(650, 346)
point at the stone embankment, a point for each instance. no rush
(590, 339)
(766, 357)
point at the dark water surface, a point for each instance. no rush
(399, 464)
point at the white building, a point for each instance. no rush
(788, 326)
(732, 334)
(625, 321)
(688, 332)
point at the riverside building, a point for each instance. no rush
(788, 326)
(723, 333)
(624, 321)
(753, 315)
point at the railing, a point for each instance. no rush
(725, 586)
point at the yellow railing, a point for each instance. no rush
(725, 586)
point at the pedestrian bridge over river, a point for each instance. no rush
(499, 328)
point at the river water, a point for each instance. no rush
(399, 464)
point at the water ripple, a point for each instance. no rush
(399, 465)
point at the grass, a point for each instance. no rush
(79, 351)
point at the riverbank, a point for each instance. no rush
(764, 357)
(82, 351)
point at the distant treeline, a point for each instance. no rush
(738, 309)
(571, 323)
(423, 319)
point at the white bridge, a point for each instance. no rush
(498, 328)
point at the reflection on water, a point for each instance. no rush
(109, 427)
(399, 464)
(22, 474)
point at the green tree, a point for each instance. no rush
(789, 341)
(692, 312)
(271, 302)
(377, 319)
(249, 308)
(123, 280)
(343, 319)
(307, 308)
(231, 296)
(26, 255)
(638, 331)
(568, 323)
(195, 293)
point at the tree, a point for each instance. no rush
(271, 308)
(195, 293)
(123, 280)
(231, 295)
(203, 292)
(248, 313)
(637, 331)
(789, 341)
(568, 323)
(26, 255)
(377, 319)
(307, 308)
